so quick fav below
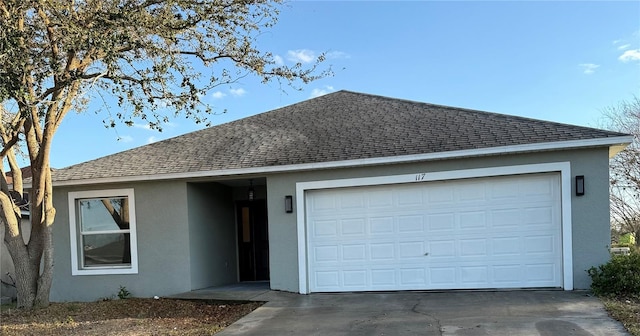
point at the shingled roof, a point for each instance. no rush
(335, 127)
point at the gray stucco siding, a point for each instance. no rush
(186, 232)
(162, 239)
(590, 213)
(212, 232)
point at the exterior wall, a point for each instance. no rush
(187, 240)
(591, 217)
(163, 246)
(590, 213)
(212, 235)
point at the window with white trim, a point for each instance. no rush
(103, 232)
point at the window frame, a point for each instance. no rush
(75, 232)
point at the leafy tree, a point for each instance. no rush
(154, 59)
(625, 168)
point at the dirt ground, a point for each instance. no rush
(125, 317)
(625, 310)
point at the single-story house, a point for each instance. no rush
(344, 192)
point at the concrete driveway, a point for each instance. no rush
(413, 313)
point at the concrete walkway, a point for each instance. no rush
(543, 313)
(243, 291)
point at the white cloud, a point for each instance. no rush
(589, 68)
(338, 54)
(301, 56)
(151, 139)
(238, 92)
(125, 138)
(143, 126)
(278, 59)
(164, 103)
(322, 91)
(624, 46)
(218, 95)
(630, 55)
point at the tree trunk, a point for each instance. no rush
(26, 275)
(33, 282)
(46, 275)
(33, 261)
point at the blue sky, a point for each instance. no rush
(558, 61)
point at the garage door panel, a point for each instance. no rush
(382, 251)
(356, 278)
(383, 277)
(440, 195)
(326, 254)
(326, 228)
(381, 225)
(411, 224)
(537, 245)
(441, 221)
(472, 220)
(476, 276)
(482, 233)
(504, 190)
(380, 199)
(325, 280)
(507, 246)
(353, 226)
(323, 203)
(541, 273)
(354, 252)
(409, 197)
(536, 187)
(541, 215)
(352, 201)
(412, 276)
(411, 249)
(473, 248)
(504, 219)
(442, 277)
(507, 274)
(441, 248)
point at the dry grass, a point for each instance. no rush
(625, 310)
(125, 317)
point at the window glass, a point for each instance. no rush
(103, 232)
(98, 214)
(106, 249)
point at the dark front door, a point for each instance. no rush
(253, 240)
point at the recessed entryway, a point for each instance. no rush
(253, 240)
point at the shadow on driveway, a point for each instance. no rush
(418, 313)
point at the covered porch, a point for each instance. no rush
(229, 238)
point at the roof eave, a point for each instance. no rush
(615, 145)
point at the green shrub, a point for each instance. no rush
(627, 240)
(618, 277)
(123, 293)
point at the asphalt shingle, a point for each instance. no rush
(339, 126)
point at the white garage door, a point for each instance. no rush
(497, 232)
